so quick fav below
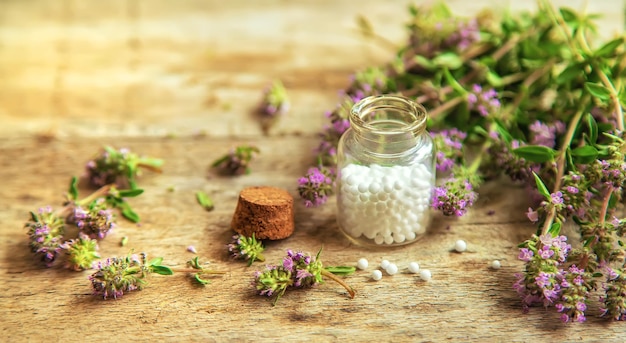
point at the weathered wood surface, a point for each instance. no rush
(178, 80)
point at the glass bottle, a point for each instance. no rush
(386, 172)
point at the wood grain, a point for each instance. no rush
(178, 80)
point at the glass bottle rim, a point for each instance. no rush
(365, 106)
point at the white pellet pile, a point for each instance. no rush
(385, 204)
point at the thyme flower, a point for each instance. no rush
(96, 220)
(81, 252)
(246, 248)
(237, 161)
(119, 167)
(316, 186)
(298, 270)
(45, 231)
(118, 275)
(275, 100)
(614, 298)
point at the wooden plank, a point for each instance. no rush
(151, 75)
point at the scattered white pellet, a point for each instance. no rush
(425, 274)
(392, 269)
(384, 264)
(377, 275)
(460, 245)
(362, 263)
(414, 267)
(192, 249)
(495, 264)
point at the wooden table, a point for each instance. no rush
(178, 80)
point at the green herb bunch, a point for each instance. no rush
(298, 270)
(120, 167)
(534, 96)
(118, 275)
(92, 216)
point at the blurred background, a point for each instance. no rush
(162, 67)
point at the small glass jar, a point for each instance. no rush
(386, 172)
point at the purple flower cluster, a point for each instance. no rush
(575, 291)
(339, 123)
(297, 270)
(118, 275)
(454, 197)
(81, 252)
(466, 33)
(517, 168)
(306, 270)
(316, 186)
(275, 100)
(246, 248)
(614, 298)
(613, 172)
(109, 166)
(543, 281)
(45, 231)
(449, 145)
(96, 221)
(485, 102)
(237, 161)
(545, 134)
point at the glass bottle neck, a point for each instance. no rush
(388, 125)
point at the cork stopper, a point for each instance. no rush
(266, 212)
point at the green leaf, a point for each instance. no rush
(448, 60)
(593, 128)
(555, 229)
(535, 153)
(129, 193)
(570, 161)
(588, 241)
(204, 200)
(597, 90)
(155, 261)
(502, 131)
(609, 48)
(161, 270)
(341, 270)
(424, 62)
(194, 263)
(453, 82)
(584, 154)
(110, 150)
(129, 214)
(568, 15)
(569, 73)
(596, 275)
(613, 200)
(200, 280)
(541, 187)
(34, 217)
(73, 191)
(494, 79)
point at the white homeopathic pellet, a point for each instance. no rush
(460, 245)
(495, 264)
(384, 264)
(386, 205)
(425, 274)
(377, 275)
(392, 269)
(362, 263)
(414, 267)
